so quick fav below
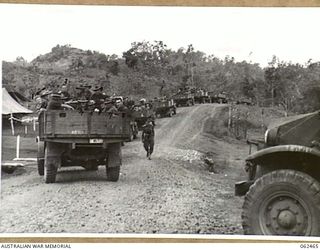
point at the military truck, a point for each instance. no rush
(183, 99)
(141, 114)
(218, 98)
(201, 96)
(70, 138)
(282, 193)
(164, 107)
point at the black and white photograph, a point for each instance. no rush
(160, 120)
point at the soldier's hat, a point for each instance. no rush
(82, 101)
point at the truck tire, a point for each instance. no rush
(113, 161)
(131, 136)
(52, 161)
(40, 158)
(50, 170)
(283, 202)
(113, 174)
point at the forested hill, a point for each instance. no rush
(150, 69)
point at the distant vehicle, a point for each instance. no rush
(201, 96)
(141, 114)
(164, 107)
(218, 98)
(282, 193)
(71, 138)
(183, 98)
(245, 101)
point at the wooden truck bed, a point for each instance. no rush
(163, 104)
(73, 124)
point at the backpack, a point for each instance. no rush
(148, 130)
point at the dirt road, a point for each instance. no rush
(172, 193)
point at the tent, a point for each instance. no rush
(11, 106)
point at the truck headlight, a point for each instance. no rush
(271, 137)
(266, 136)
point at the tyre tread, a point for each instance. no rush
(284, 175)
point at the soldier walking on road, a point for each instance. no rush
(148, 138)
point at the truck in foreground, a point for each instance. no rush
(282, 192)
(70, 138)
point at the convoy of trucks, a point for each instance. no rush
(282, 192)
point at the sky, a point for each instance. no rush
(251, 34)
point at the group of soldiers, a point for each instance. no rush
(95, 100)
(85, 99)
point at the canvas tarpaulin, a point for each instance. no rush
(10, 106)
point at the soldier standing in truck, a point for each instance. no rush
(55, 102)
(98, 97)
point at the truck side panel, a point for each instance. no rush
(75, 124)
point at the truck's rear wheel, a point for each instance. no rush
(40, 158)
(113, 161)
(113, 173)
(50, 169)
(131, 136)
(283, 202)
(52, 161)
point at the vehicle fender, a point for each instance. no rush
(266, 154)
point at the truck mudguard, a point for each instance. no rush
(266, 153)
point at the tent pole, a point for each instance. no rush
(18, 147)
(12, 125)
